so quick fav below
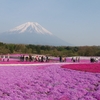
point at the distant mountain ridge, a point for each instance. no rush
(31, 33)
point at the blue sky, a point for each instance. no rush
(75, 21)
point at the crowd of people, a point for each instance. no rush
(94, 59)
(38, 58)
(4, 57)
(43, 58)
(62, 59)
(75, 59)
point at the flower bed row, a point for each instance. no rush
(91, 67)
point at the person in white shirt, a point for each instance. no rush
(3, 58)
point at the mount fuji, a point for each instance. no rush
(31, 33)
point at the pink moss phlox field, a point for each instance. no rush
(47, 82)
(92, 67)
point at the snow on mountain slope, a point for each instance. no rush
(31, 27)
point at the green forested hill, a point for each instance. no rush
(50, 50)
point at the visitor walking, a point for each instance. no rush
(3, 59)
(8, 57)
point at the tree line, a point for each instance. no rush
(49, 50)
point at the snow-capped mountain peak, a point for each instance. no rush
(31, 27)
(31, 33)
